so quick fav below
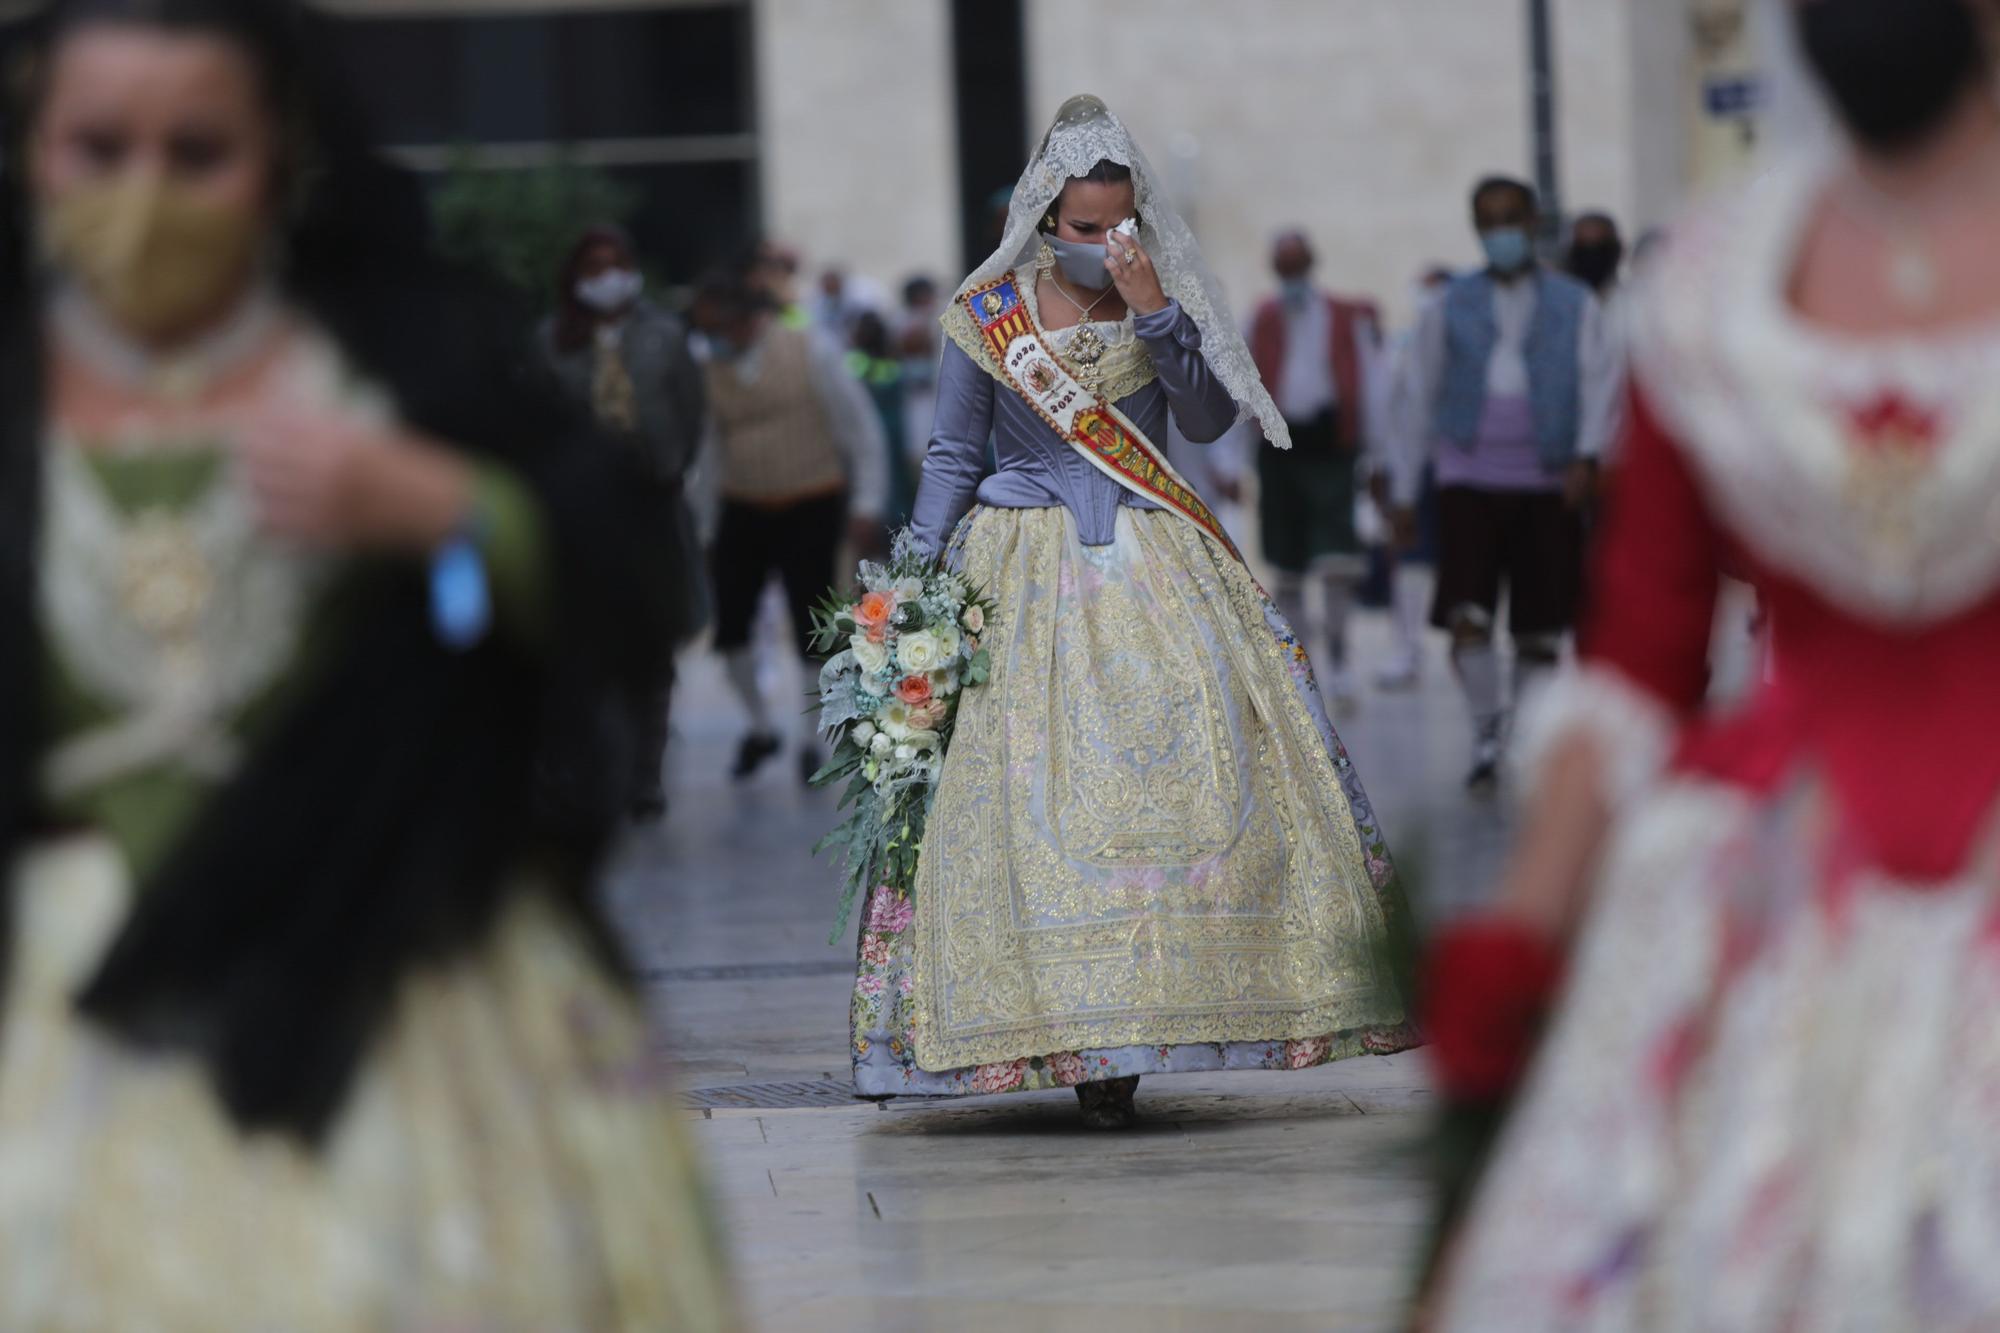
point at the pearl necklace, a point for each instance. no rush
(181, 374)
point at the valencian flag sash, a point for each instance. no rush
(1102, 433)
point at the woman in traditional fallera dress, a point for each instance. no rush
(1149, 852)
(1770, 1094)
(307, 1021)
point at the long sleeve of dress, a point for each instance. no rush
(1645, 641)
(514, 540)
(1201, 406)
(1657, 571)
(956, 460)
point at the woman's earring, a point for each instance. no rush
(1049, 222)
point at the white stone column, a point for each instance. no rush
(857, 135)
(1660, 55)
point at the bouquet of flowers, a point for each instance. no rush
(898, 659)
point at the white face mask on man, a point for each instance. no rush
(611, 291)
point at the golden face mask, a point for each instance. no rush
(154, 258)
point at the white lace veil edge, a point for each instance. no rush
(1083, 134)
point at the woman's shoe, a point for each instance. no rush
(1108, 1104)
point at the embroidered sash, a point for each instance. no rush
(1099, 431)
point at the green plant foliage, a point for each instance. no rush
(519, 224)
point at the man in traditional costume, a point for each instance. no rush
(1517, 383)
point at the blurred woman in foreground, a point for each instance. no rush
(1769, 1096)
(307, 1020)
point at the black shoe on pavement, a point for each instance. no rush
(1108, 1104)
(750, 756)
(809, 763)
(649, 807)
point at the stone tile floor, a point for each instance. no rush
(1263, 1201)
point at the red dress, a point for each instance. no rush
(1770, 1097)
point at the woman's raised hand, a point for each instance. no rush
(1131, 270)
(327, 480)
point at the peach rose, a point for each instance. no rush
(914, 690)
(872, 612)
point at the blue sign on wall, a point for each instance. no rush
(1730, 98)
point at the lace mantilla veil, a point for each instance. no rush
(1085, 133)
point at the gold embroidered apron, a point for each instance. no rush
(1139, 836)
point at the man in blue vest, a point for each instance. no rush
(1514, 388)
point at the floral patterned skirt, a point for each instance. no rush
(507, 1161)
(1149, 852)
(1769, 1100)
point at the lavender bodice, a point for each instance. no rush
(1034, 467)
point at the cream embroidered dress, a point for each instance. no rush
(508, 1158)
(1149, 852)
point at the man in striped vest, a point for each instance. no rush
(1514, 385)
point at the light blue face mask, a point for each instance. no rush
(1082, 264)
(1508, 249)
(1295, 291)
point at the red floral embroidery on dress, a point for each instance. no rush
(1892, 423)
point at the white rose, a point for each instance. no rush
(880, 745)
(923, 740)
(906, 752)
(974, 618)
(872, 686)
(909, 590)
(872, 657)
(919, 652)
(863, 732)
